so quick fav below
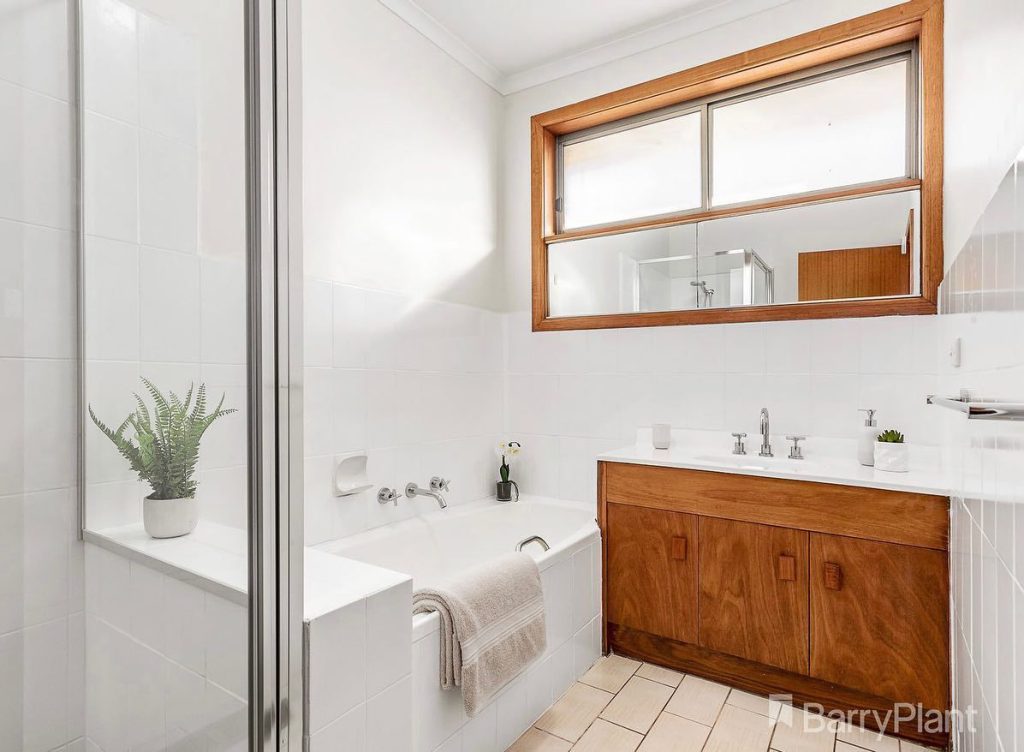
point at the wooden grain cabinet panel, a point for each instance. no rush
(753, 592)
(651, 571)
(879, 618)
(894, 516)
(853, 273)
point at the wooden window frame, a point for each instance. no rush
(919, 20)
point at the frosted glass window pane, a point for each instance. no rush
(641, 172)
(836, 132)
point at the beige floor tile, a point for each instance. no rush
(577, 709)
(797, 731)
(610, 673)
(671, 733)
(739, 730)
(698, 699)
(638, 704)
(659, 674)
(867, 739)
(535, 740)
(754, 703)
(607, 737)
(906, 746)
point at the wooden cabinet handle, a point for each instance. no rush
(833, 576)
(787, 568)
(679, 548)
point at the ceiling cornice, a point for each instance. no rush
(694, 20)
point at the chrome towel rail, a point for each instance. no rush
(980, 409)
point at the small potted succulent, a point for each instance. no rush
(503, 488)
(164, 451)
(891, 452)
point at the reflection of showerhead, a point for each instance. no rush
(708, 292)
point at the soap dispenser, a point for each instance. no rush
(866, 440)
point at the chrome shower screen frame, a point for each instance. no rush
(274, 284)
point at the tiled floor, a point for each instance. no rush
(622, 705)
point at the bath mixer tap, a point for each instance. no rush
(437, 484)
(766, 447)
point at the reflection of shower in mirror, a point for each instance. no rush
(705, 293)
(716, 279)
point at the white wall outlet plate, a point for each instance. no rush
(954, 352)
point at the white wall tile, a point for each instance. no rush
(318, 323)
(481, 732)
(111, 299)
(110, 57)
(744, 348)
(168, 193)
(169, 299)
(337, 670)
(168, 79)
(388, 637)
(226, 644)
(111, 156)
(347, 733)
(223, 311)
(389, 718)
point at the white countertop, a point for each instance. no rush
(826, 461)
(214, 558)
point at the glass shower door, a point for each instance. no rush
(184, 404)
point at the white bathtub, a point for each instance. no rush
(443, 543)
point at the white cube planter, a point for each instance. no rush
(169, 518)
(893, 458)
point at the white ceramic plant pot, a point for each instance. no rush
(169, 518)
(893, 458)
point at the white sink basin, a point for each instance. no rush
(754, 462)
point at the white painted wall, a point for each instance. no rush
(403, 345)
(984, 117)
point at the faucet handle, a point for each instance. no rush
(738, 447)
(795, 453)
(386, 494)
(437, 483)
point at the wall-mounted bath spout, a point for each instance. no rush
(437, 484)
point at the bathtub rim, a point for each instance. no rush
(423, 625)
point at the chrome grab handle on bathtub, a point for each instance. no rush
(533, 539)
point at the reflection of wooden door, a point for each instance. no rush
(854, 273)
(879, 618)
(652, 571)
(753, 592)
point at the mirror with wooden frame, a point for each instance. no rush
(798, 180)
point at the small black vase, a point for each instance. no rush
(503, 490)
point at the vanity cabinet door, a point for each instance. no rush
(879, 619)
(652, 571)
(753, 592)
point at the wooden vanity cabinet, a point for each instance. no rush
(753, 592)
(879, 618)
(652, 570)
(836, 595)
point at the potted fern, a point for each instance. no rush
(163, 449)
(891, 452)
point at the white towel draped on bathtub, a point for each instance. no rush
(492, 625)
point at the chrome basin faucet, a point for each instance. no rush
(437, 484)
(766, 447)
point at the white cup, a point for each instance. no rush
(661, 435)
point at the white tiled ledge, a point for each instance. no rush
(826, 461)
(214, 558)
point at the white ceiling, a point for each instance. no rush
(514, 44)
